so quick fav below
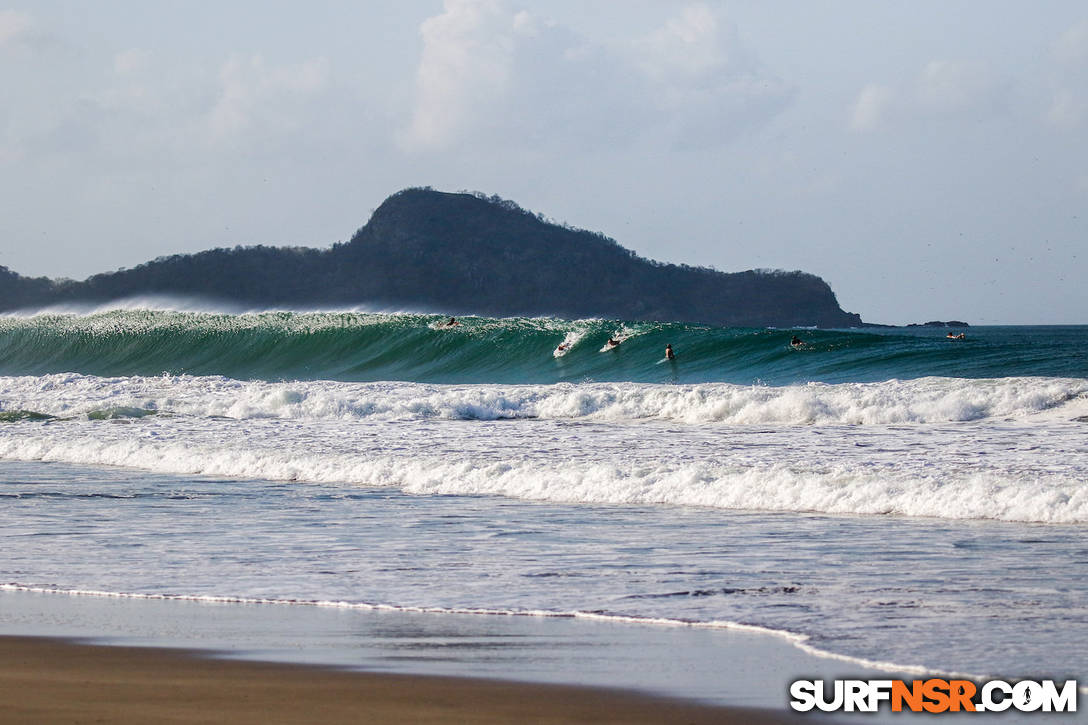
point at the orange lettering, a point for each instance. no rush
(961, 692)
(936, 691)
(912, 695)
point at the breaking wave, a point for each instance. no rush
(925, 400)
(365, 346)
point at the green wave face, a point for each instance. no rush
(350, 346)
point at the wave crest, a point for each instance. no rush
(364, 346)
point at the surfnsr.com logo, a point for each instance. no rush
(934, 695)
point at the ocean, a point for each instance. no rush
(885, 497)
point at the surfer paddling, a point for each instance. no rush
(796, 342)
(961, 336)
(452, 323)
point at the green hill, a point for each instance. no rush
(463, 253)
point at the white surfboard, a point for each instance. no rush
(569, 341)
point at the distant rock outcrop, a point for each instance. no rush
(938, 323)
(464, 253)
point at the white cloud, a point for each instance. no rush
(130, 61)
(13, 26)
(1068, 110)
(705, 83)
(1069, 79)
(253, 92)
(689, 44)
(1071, 47)
(466, 59)
(491, 75)
(942, 88)
(526, 23)
(948, 86)
(871, 107)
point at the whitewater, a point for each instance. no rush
(879, 495)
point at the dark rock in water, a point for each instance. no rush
(938, 323)
(464, 253)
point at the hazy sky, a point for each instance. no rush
(929, 159)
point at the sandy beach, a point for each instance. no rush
(45, 680)
(715, 668)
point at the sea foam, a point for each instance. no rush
(983, 449)
(927, 400)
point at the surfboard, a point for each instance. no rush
(569, 340)
(618, 337)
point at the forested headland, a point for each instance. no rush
(460, 253)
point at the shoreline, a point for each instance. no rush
(50, 679)
(795, 640)
(665, 671)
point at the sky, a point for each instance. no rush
(928, 159)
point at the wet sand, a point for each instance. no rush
(44, 680)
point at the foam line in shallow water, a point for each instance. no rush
(986, 586)
(800, 641)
